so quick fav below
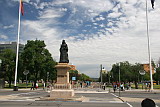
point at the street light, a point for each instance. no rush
(26, 73)
(101, 74)
(142, 72)
(0, 61)
(0, 64)
(1, 86)
(47, 78)
(119, 79)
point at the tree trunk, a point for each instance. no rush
(136, 85)
(10, 83)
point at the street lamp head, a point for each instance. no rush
(142, 72)
(103, 68)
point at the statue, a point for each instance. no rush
(64, 53)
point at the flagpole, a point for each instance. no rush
(149, 51)
(15, 81)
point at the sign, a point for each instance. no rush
(26, 72)
(142, 72)
(73, 78)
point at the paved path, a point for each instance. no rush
(93, 97)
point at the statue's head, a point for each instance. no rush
(63, 42)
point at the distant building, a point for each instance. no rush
(12, 46)
(73, 67)
(147, 68)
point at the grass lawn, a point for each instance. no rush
(140, 86)
(22, 85)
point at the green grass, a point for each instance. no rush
(22, 85)
(140, 86)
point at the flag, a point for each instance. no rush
(152, 2)
(22, 9)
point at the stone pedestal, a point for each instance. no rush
(57, 93)
(62, 88)
(62, 73)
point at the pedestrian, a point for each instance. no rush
(122, 87)
(146, 86)
(32, 87)
(149, 87)
(44, 85)
(36, 86)
(114, 87)
(148, 103)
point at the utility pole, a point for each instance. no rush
(119, 79)
(149, 51)
(101, 74)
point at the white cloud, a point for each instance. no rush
(50, 13)
(8, 27)
(100, 18)
(114, 15)
(128, 41)
(63, 9)
(3, 37)
(95, 5)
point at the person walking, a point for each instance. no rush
(32, 87)
(36, 86)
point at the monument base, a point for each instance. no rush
(61, 93)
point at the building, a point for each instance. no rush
(12, 46)
(147, 68)
(73, 67)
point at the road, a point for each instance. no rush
(135, 97)
(93, 98)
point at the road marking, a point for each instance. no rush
(129, 104)
(91, 92)
(122, 100)
(114, 95)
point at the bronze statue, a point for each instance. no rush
(64, 53)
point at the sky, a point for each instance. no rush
(96, 31)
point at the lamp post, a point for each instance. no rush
(142, 72)
(0, 64)
(1, 80)
(119, 79)
(26, 73)
(47, 78)
(101, 74)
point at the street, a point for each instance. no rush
(93, 98)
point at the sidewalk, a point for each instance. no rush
(21, 89)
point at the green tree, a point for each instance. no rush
(156, 76)
(8, 64)
(73, 73)
(115, 72)
(38, 60)
(84, 77)
(135, 71)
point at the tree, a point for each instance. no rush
(8, 65)
(38, 60)
(156, 76)
(115, 72)
(84, 77)
(73, 73)
(128, 72)
(135, 71)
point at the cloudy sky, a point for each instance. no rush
(96, 31)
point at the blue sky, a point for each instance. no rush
(96, 31)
